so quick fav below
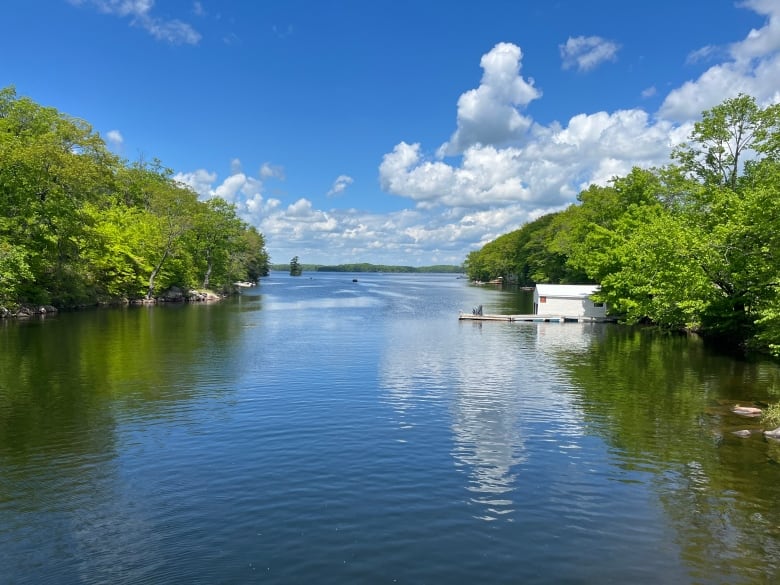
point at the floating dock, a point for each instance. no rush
(534, 318)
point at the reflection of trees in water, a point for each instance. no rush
(660, 401)
(64, 381)
(66, 385)
(723, 532)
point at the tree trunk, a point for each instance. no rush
(155, 272)
(208, 269)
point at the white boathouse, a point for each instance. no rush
(571, 300)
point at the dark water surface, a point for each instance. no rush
(318, 430)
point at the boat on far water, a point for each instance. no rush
(244, 284)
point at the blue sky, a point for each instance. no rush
(391, 131)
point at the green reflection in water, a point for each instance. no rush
(65, 380)
(656, 399)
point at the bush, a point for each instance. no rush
(771, 416)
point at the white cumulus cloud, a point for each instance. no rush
(555, 164)
(752, 67)
(586, 53)
(139, 12)
(340, 184)
(268, 171)
(115, 139)
(489, 114)
(505, 168)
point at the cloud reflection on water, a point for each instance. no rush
(502, 392)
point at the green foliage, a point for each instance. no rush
(14, 271)
(295, 267)
(724, 136)
(649, 268)
(525, 256)
(78, 225)
(771, 415)
(693, 245)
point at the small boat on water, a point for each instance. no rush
(244, 284)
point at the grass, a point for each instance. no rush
(771, 416)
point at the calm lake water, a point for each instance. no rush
(319, 430)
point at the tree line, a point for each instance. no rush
(367, 267)
(693, 245)
(79, 225)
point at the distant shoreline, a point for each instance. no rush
(365, 267)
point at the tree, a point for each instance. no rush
(691, 245)
(252, 255)
(723, 137)
(216, 236)
(51, 166)
(651, 266)
(295, 267)
(170, 209)
(116, 266)
(14, 271)
(78, 225)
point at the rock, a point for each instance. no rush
(746, 410)
(172, 295)
(744, 433)
(203, 296)
(774, 434)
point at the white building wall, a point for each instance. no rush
(567, 301)
(554, 306)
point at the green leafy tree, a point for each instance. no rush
(51, 166)
(252, 256)
(77, 225)
(114, 253)
(721, 140)
(650, 266)
(14, 271)
(169, 211)
(215, 237)
(295, 267)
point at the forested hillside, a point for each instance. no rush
(694, 244)
(78, 225)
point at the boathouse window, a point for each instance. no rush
(542, 299)
(598, 305)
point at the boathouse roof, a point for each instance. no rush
(566, 291)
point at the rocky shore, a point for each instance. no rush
(172, 295)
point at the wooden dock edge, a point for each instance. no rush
(534, 318)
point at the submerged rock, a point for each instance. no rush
(744, 433)
(746, 410)
(773, 434)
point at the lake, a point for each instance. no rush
(320, 430)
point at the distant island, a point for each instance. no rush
(365, 267)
